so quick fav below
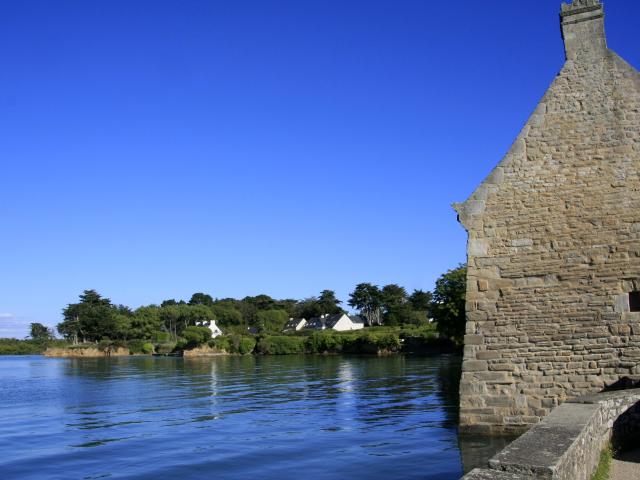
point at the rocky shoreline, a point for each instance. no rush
(91, 352)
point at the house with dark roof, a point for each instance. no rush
(340, 322)
(295, 324)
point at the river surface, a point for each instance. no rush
(310, 417)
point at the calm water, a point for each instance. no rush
(229, 417)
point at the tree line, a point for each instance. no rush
(94, 318)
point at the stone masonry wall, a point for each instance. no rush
(554, 247)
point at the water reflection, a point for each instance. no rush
(329, 417)
(476, 450)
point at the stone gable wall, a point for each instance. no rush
(553, 250)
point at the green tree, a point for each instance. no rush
(316, 306)
(121, 326)
(308, 308)
(250, 306)
(170, 316)
(122, 316)
(447, 306)
(145, 322)
(368, 299)
(89, 320)
(394, 305)
(196, 336)
(420, 300)
(178, 317)
(271, 320)
(194, 314)
(247, 309)
(201, 299)
(227, 316)
(287, 304)
(393, 296)
(40, 332)
(328, 302)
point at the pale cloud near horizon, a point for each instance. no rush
(13, 326)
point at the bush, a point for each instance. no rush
(369, 343)
(428, 342)
(280, 345)
(135, 346)
(324, 342)
(247, 344)
(195, 336)
(388, 342)
(160, 337)
(241, 344)
(147, 348)
(12, 346)
(164, 348)
(220, 343)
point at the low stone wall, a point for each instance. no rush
(566, 445)
(90, 352)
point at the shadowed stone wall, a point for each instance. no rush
(554, 244)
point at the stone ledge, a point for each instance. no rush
(486, 474)
(541, 450)
(566, 445)
(625, 395)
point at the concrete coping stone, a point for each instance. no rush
(539, 453)
(596, 398)
(540, 450)
(486, 474)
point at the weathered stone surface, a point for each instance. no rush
(486, 474)
(554, 241)
(566, 445)
(540, 451)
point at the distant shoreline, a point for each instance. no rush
(377, 341)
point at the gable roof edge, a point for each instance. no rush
(473, 207)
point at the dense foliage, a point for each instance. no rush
(447, 307)
(391, 305)
(13, 346)
(40, 332)
(176, 324)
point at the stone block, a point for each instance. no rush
(474, 366)
(473, 339)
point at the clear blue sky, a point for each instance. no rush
(152, 149)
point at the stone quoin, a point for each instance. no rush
(554, 244)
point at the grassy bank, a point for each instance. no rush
(12, 346)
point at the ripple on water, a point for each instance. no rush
(235, 417)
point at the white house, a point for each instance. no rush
(340, 322)
(295, 324)
(211, 325)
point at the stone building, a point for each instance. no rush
(553, 302)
